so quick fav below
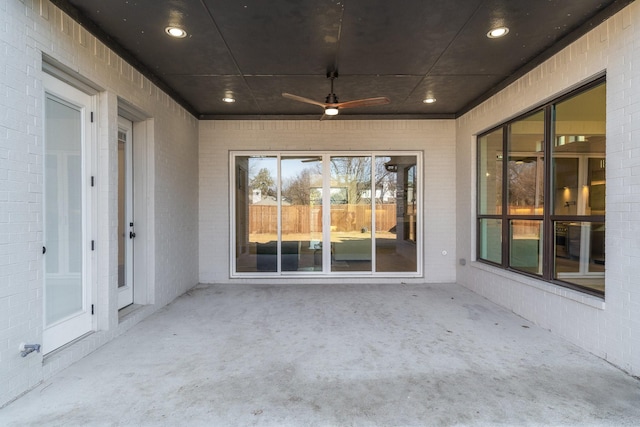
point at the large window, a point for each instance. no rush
(326, 213)
(546, 218)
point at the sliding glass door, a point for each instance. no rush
(371, 225)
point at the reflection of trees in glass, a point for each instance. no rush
(522, 183)
(354, 174)
(350, 174)
(264, 182)
(297, 190)
(386, 181)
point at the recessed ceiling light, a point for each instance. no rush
(176, 32)
(228, 99)
(429, 100)
(498, 32)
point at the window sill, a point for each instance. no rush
(582, 298)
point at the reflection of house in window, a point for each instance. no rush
(338, 195)
(260, 199)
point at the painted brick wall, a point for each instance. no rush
(29, 28)
(612, 329)
(435, 138)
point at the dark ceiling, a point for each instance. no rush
(405, 50)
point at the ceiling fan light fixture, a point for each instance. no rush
(331, 106)
(331, 111)
(498, 32)
(176, 32)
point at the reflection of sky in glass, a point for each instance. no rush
(256, 164)
(291, 166)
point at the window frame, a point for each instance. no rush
(549, 217)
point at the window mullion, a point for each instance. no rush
(548, 228)
(372, 189)
(505, 192)
(326, 213)
(279, 213)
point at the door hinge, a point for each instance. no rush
(92, 310)
(93, 181)
(93, 245)
(92, 117)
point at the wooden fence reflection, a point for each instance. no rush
(304, 218)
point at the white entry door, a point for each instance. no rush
(67, 220)
(126, 230)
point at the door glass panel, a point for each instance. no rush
(301, 243)
(63, 211)
(396, 213)
(256, 214)
(122, 213)
(126, 230)
(350, 199)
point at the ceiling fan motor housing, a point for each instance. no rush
(331, 99)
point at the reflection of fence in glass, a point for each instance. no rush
(297, 218)
(523, 229)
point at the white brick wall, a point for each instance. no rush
(612, 329)
(435, 138)
(29, 28)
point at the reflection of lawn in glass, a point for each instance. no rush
(336, 237)
(385, 240)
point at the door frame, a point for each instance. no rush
(143, 179)
(74, 326)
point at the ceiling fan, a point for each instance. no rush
(332, 105)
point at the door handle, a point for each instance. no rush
(132, 234)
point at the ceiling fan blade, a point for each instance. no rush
(368, 102)
(303, 99)
(327, 117)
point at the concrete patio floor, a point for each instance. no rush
(333, 355)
